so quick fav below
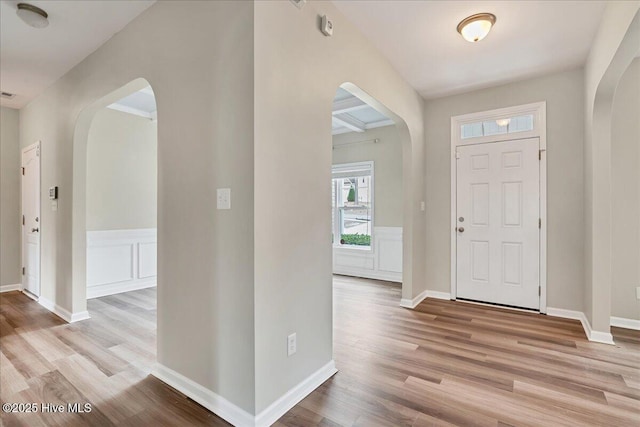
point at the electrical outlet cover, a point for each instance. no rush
(291, 344)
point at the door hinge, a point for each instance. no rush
(23, 271)
(22, 171)
(539, 290)
(22, 219)
(539, 222)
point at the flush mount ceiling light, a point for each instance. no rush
(32, 16)
(476, 27)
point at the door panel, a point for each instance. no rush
(31, 212)
(498, 209)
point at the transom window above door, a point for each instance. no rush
(504, 124)
(496, 127)
(352, 205)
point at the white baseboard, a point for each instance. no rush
(234, 414)
(413, 303)
(369, 274)
(9, 288)
(291, 398)
(595, 336)
(62, 313)
(621, 322)
(81, 315)
(118, 288)
(439, 295)
(205, 397)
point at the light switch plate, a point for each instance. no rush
(223, 198)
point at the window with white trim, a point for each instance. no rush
(352, 205)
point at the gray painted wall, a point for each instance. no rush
(122, 155)
(202, 75)
(614, 47)
(297, 72)
(387, 157)
(625, 176)
(563, 93)
(10, 229)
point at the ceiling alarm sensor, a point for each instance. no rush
(327, 26)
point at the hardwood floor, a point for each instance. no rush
(452, 363)
(104, 361)
(445, 363)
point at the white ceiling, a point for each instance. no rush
(32, 59)
(351, 114)
(530, 38)
(418, 37)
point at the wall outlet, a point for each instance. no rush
(291, 344)
(638, 292)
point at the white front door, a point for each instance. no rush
(498, 213)
(31, 219)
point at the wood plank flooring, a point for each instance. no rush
(452, 363)
(105, 361)
(445, 363)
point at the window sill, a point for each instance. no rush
(353, 248)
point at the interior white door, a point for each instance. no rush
(31, 219)
(498, 214)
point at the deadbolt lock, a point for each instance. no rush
(461, 219)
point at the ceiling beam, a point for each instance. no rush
(148, 91)
(348, 104)
(134, 111)
(379, 124)
(340, 130)
(349, 122)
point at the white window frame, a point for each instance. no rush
(539, 112)
(346, 167)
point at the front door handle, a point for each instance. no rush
(35, 230)
(461, 229)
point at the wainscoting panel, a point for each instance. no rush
(120, 261)
(109, 264)
(147, 259)
(383, 262)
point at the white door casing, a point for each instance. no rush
(498, 210)
(31, 219)
(534, 128)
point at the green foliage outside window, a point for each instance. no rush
(355, 239)
(351, 197)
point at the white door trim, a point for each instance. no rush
(35, 145)
(539, 111)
